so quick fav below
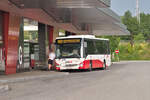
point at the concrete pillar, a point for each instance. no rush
(20, 65)
(42, 42)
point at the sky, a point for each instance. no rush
(121, 6)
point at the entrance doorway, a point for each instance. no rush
(34, 42)
(28, 45)
(31, 46)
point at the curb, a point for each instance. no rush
(132, 61)
(22, 79)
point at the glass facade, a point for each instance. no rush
(31, 46)
(30, 30)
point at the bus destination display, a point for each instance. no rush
(68, 41)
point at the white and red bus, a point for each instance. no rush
(82, 52)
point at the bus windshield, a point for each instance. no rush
(69, 50)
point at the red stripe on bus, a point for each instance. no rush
(95, 64)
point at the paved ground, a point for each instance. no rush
(124, 81)
(31, 75)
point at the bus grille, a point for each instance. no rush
(71, 65)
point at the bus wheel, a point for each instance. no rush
(104, 65)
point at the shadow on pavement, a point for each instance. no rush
(2, 72)
(81, 71)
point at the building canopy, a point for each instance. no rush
(77, 16)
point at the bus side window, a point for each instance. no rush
(100, 47)
(85, 49)
(107, 49)
(91, 47)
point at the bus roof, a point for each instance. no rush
(81, 36)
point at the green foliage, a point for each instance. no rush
(145, 25)
(139, 38)
(136, 48)
(140, 51)
(139, 30)
(114, 43)
(132, 25)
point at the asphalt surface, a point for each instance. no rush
(123, 81)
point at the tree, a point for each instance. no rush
(145, 25)
(139, 38)
(132, 25)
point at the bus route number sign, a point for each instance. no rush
(116, 51)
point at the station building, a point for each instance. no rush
(28, 28)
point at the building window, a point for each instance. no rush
(30, 30)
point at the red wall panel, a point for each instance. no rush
(11, 35)
(51, 31)
(6, 27)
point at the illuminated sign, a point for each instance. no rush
(68, 41)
